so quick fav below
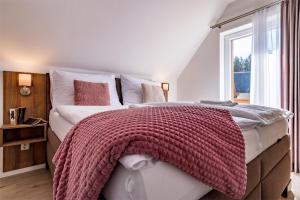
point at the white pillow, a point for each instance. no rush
(62, 86)
(153, 94)
(132, 89)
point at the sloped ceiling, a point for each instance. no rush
(149, 37)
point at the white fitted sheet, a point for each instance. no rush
(59, 125)
(163, 181)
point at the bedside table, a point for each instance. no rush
(23, 145)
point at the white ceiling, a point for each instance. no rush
(149, 37)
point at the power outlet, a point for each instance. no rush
(25, 147)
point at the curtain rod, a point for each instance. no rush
(219, 25)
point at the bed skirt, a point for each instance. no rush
(268, 174)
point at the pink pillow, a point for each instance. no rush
(91, 94)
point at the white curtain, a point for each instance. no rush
(265, 70)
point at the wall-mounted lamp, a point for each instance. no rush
(25, 83)
(165, 86)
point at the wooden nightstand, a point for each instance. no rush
(23, 145)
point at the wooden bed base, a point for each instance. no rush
(268, 174)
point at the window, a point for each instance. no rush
(250, 61)
(236, 54)
(241, 69)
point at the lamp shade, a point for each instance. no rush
(165, 86)
(25, 80)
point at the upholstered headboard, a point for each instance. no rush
(48, 100)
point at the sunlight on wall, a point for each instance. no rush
(23, 61)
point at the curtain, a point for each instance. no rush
(265, 86)
(291, 73)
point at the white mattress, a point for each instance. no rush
(59, 125)
(163, 181)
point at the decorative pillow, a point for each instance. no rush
(62, 86)
(152, 93)
(132, 89)
(91, 94)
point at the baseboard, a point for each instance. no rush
(23, 170)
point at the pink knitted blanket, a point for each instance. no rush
(204, 142)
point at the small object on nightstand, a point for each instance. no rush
(23, 145)
(17, 115)
(13, 115)
(35, 121)
(21, 115)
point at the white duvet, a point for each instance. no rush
(249, 115)
(74, 114)
(245, 118)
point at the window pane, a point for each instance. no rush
(241, 68)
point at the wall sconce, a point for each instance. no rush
(165, 86)
(25, 83)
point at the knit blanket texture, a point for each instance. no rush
(203, 142)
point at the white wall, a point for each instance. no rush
(134, 36)
(151, 38)
(200, 79)
(1, 98)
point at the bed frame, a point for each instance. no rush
(268, 174)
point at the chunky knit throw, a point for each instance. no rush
(204, 142)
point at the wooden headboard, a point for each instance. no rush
(48, 100)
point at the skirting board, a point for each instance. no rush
(20, 171)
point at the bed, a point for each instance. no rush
(268, 167)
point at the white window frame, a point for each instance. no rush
(226, 38)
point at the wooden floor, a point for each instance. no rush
(37, 185)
